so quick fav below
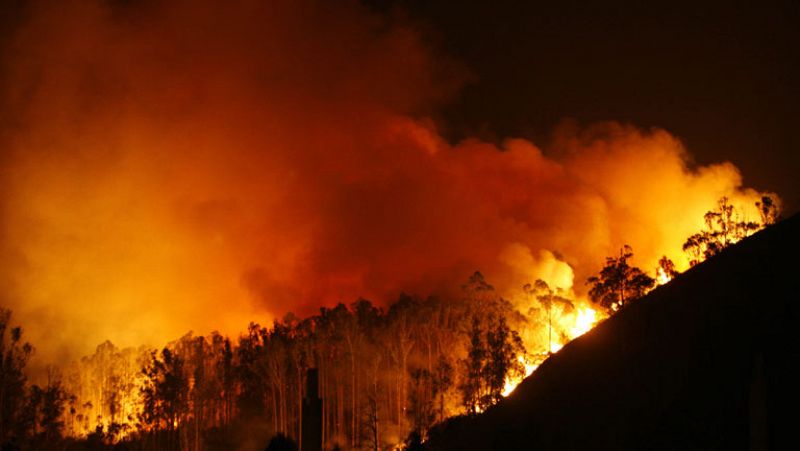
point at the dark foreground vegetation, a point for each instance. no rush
(710, 361)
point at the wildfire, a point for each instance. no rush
(585, 320)
(575, 325)
(512, 382)
(204, 183)
(662, 277)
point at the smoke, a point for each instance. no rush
(198, 165)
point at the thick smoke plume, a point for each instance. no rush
(201, 164)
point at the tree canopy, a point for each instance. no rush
(619, 283)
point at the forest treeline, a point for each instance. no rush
(382, 372)
(386, 375)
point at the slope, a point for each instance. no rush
(708, 361)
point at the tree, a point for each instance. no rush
(492, 358)
(442, 381)
(165, 394)
(618, 283)
(481, 299)
(251, 373)
(382, 374)
(548, 298)
(14, 354)
(666, 270)
(51, 400)
(421, 407)
(201, 393)
(400, 322)
(226, 376)
(371, 415)
(472, 385)
(769, 209)
(723, 227)
(504, 346)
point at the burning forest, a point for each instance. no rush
(210, 212)
(385, 375)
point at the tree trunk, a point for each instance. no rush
(299, 407)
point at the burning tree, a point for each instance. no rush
(493, 347)
(165, 394)
(105, 392)
(383, 374)
(491, 360)
(619, 283)
(666, 270)
(503, 346)
(723, 228)
(769, 209)
(549, 299)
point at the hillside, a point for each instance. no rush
(708, 361)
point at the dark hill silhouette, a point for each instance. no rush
(708, 361)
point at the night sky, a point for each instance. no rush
(722, 76)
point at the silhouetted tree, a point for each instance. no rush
(504, 346)
(492, 357)
(226, 376)
(14, 354)
(619, 283)
(251, 373)
(47, 406)
(769, 209)
(165, 394)
(723, 227)
(52, 410)
(28, 423)
(667, 267)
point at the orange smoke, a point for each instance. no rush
(197, 166)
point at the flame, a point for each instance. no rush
(585, 320)
(198, 205)
(576, 324)
(662, 277)
(512, 382)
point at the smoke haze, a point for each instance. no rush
(195, 166)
